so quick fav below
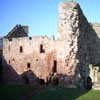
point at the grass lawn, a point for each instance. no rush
(15, 92)
(58, 93)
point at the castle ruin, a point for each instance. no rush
(66, 59)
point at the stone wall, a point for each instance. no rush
(30, 54)
(40, 63)
(81, 39)
(72, 27)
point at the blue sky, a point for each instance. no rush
(40, 15)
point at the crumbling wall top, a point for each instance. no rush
(68, 5)
(18, 31)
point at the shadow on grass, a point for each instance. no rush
(14, 92)
(58, 93)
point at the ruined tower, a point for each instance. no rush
(73, 29)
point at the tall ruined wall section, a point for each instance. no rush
(81, 40)
(73, 29)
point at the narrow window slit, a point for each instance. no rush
(55, 66)
(42, 49)
(28, 65)
(21, 49)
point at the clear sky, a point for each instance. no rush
(40, 15)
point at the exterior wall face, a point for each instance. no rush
(40, 63)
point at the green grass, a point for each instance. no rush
(58, 93)
(16, 92)
(91, 95)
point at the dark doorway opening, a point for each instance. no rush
(21, 49)
(28, 65)
(55, 66)
(42, 49)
